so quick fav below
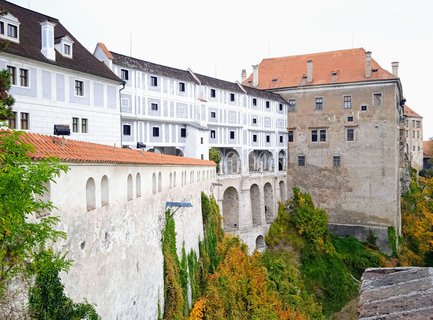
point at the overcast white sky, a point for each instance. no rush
(221, 37)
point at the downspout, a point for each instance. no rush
(120, 110)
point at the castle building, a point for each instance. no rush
(345, 117)
(180, 112)
(414, 137)
(115, 219)
(55, 80)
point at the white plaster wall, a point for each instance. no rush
(116, 249)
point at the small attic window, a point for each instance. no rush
(9, 28)
(275, 80)
(374, 70)
(64, 45)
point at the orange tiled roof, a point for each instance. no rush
(106, 51)
(410, 113)
(349, 66)
(77, 151)
(428, 148)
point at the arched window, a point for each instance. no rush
(129, 187)
(138, 185)
(171, 180)
(104, 191)
(90, 194)
(159, 182)
(174, 180)
(154, 183)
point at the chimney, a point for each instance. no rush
(395, 68)
(47, 32)
(243, 75)
(368, 64)
(255, 75)
(309, 70)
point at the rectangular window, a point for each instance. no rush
(13, 74)
(313, 135)
(84, 125)
(12, 120)
(212, 134)
(418, 124)
(24, 77)
(336, 161)
(154, 106)
(301, 161)
(347, 100)
(183, 132)
(2, 27)
(350, 134)
(268, 138)
(254, 101)
(322, 135)
(213, 114)
(153, 81)
(181, 87)
(201, 140)
(417, 134)
(281, 139)
(254, 138)
(212, 93)
(292, 105)
(268, 104)
(377, 99)
(74, 124)
(319, 103)
(202, 157)
(364, 108)
(350, 118)
(254, 120)
(12, 31)
(413, 134)
(232, 97)
(79, 88)
(232, 135)
(281, 107)
(290, 137)
(67, 49)
(155, 131)
(124, 74)
(24, 121)
(126, 130)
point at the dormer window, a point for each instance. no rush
(63, 45)
(9, 27)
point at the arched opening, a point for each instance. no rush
(129, 187)
(179, 153)
(138, 185)
(154, 183)
(255, 204)
(269, 202)
(231, 209)
(281, 161)
(260, 242)
(104, 191)
(174, 180)
(232, 163)
(282, 191)
(90, 194)
(252, 161)
(159, 182)
(265, 161)
(171, 180)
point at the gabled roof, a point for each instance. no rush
(218, 83)
(85, 152)
(29, 45)
(264, 94)
(408, 112)
(347, 66)
(150, 67)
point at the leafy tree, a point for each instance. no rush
(215, 156)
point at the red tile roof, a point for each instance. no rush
(428, 148)
(410, 112)
(77, 151)
(349, 66)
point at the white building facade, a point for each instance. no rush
(56, 81)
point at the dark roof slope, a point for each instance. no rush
(264, 94)
(30, 43)
(409, 112)
(153, 68)
(217, 83)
